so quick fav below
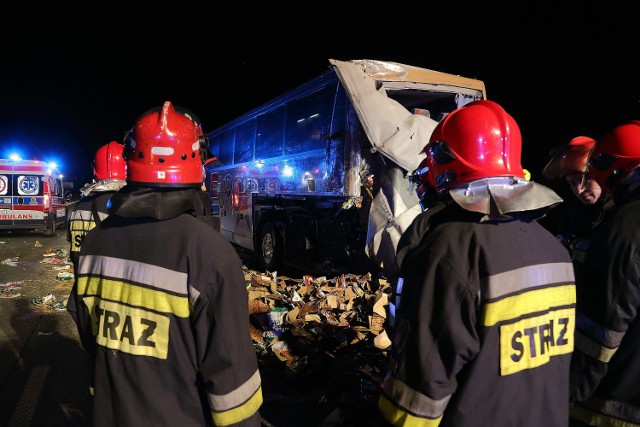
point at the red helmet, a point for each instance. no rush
(164, 149)
(615, 155)
(575, 155)
(109, 163)
(477, 140)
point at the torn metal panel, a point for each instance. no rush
(398, 134)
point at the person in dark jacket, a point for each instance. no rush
(605, 371)
(587, 205)
(483, 328)
(109, 173)
(160, 300)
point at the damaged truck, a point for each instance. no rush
(319, 178)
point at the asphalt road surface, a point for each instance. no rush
(44, 372)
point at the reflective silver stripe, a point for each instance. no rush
(412, 400)
(593, 349)
(194, 294)
(85, 215)
(224, 402)
(517, 280)
(136, 272)
(81, 215)
(597, 332)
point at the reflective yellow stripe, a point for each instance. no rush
(240, 413)
(398, 417)
(130, 294)
(528, 302)
(597, 419)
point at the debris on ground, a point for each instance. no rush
(10, 289)
(11, 262)
(51, 302)
(326, 334)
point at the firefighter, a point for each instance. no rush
(109, 173)
(159, 300)
(483, 333)
(605, 373)
(589, 206)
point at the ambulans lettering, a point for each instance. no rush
(532, 342)
(16, 216)
(129, 329)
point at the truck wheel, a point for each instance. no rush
(271, 247)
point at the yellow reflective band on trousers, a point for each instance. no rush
(513, 307)
(240, 413)
(398, 417)
(130, 294)
(129, 329)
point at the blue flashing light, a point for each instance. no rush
(287, 171)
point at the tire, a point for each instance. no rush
(270, 247)
(50, 231)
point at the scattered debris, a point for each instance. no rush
(332, 330)
(49, 252)
(38, 244)
(11, 262)
(10, 289)
(51, 302)
(44, 300)
(65, 275)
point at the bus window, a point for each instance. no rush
(245, 141)
(270, 134)
(225, 145)
(308, 119)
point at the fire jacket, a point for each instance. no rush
(605, 374)
(576, 227)
(89, 210)
(484, 324)
(161, 308)
(86, 212)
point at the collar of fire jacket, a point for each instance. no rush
(501, 196)
(158, 203)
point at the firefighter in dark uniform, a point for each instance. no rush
(605, 373)
(109, 173)
(160, 300)
(483, 332)
(588, 204)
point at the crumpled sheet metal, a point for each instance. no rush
(324, 314)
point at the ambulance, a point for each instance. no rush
(31, 196)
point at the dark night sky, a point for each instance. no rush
(72, 79)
